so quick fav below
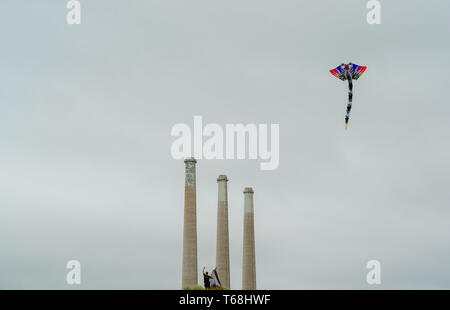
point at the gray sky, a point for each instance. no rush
(86, 113)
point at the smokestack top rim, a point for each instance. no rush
(248, 190)
(190, 159)
(222, 177)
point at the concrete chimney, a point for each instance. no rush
(189, 272)
(222, 244)
(248, 256)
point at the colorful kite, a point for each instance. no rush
(348, 72)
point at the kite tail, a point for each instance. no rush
(349, 105)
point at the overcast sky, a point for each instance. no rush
(85, 118)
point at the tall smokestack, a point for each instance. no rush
(222, 244)
(190, 277)
(248, 256)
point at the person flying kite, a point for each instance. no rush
(348, 72)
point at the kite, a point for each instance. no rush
(348, 72)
